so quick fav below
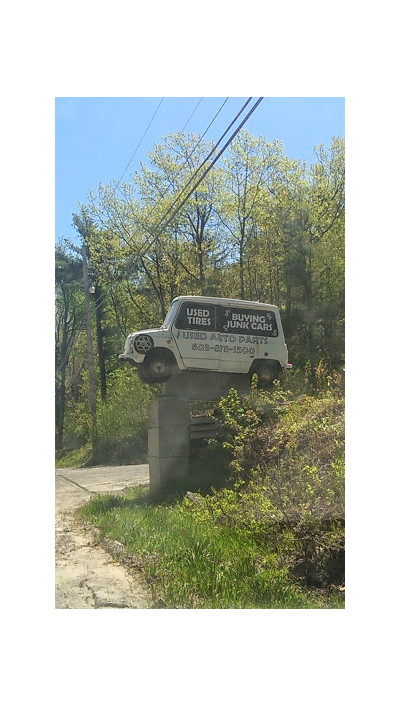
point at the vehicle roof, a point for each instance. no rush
(223, 300)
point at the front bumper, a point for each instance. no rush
(129, 358)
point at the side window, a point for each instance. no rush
(254, 322)
(196, 316)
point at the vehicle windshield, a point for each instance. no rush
(170, 316)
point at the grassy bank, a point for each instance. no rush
(193, 564)
(268, 534)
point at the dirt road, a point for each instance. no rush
(86, 575)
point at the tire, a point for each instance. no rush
(158, 368)
(142, 373)
(143, 343)
(267, 373)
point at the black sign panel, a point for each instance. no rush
(196, 316)
(255, 322)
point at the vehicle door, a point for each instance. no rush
(194, 334)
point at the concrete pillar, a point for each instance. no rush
(168, 440)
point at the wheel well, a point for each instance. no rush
(160, 353)
(257, 364)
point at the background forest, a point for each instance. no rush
(259, 226)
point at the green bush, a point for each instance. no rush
(287, 489)
(122, 420)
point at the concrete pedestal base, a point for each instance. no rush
(169, 428)
(205, 385)
(168, 440)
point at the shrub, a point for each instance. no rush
(122, 420)
(288, 479)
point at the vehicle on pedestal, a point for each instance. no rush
(211, 334)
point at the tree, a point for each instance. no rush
(249, 169)
(69, 317)
(190, 237)
(161, 254)
(86, 230)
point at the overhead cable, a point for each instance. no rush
(191, 116)
(189, 155)
(165, 225)
(205, 161)
(140, 141)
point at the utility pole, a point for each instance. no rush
(98, 305)
(92, 379)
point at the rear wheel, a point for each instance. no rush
(267, 373)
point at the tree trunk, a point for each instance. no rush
(100, 346)
(241, 269)
(60, 413)
(60, 390)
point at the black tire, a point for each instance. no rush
(142, 373)
(267, 373)
(158, 367)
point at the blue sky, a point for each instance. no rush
(97, 137)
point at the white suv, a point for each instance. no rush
(214, 334)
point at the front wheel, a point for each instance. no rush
(158, 368)
(142, 373)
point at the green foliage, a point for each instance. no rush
(74, 457)
(191, 561)
(272, 536)
(243, 416)
(239, 419)
(287, 489)
(122, 420)
(260, 226)
(68, 311)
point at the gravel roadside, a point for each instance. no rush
(86, 575)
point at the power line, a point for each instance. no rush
(214, 160)
(191, 116)
(204, 161)
(165, 225)
(208, 127)
(140, 141)
(161, 223)
(189, 155)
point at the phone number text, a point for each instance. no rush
(223, 349)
